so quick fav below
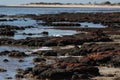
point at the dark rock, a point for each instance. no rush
(19, 70)
(115, 61)
(110, 75)
(118, 78)
(50, 43)
(37, 70)
(64, 24)
(8, 78)
(80, 76)
(88, 69)
(3, 70)
(4, 53)
(45, 33)
(17, 54)
(38, 59)
(103, 59)
(3, 20)
(88, 61)
(7, 32)
(110, 20)
(20, 60)
(68, 60)
(56, 74)
(56, 71)
(50, 53)
(19, 76)
(5, 60)
(27, 70)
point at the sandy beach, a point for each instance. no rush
(67, 5)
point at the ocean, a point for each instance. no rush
(17, 11)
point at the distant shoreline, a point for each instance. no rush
(63, 6)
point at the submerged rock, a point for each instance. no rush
(5, 60)
(8, 78)
(17, 54)
(45, 33)
(2, 70)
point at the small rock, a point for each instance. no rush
(5, 60)
(8, 78)
(3, 70)
(20, 60)
(19, 76)
(38, 59)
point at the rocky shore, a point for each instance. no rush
(107, 19)
(78, 39)
(93, 48)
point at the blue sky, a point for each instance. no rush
(11, 2)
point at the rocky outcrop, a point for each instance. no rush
(7, 32)
(61, 24)
(103, 58)
(107, 19)
(62, 71)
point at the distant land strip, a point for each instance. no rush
(62, 6)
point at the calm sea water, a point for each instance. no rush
(16, 11)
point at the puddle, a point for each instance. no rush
(92, 25)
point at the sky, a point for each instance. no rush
(15, 2)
